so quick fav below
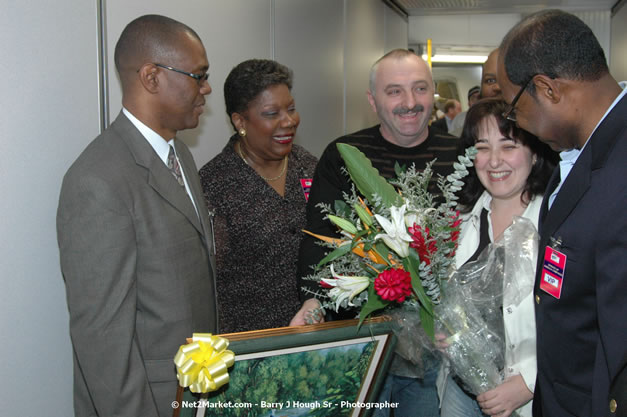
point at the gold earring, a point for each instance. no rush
(242, 132)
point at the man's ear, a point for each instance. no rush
(148, 77)
(548, 88)
(371, 101)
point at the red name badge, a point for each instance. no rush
(553, 272)
(306, 184)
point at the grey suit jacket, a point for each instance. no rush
(136, 259)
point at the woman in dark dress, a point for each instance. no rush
(257, 189)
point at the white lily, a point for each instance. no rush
(412, 218)
(345, 287)
(416, 217)
(395, 236)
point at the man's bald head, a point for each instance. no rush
(148, 39)
(398, 55)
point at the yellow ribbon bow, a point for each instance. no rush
(202, 365)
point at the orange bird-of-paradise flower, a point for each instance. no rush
(357, 250)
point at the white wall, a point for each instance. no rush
(49, 105)
(618, 48)
(316, 56)
(50, 112)
(396, 30)
(364, 45)
(372, 30)
(600, 23)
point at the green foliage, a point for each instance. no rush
(363, 215)
(367, 178)
(343, 224)
(332, 375)
(375, 303)
(399, 169)
(342, 209)
(338, 252)
(349, 381)
(411, 265)
(428, 322)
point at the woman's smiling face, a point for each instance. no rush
(502, 163)
(271, 121)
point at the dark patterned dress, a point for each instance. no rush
(257, 234)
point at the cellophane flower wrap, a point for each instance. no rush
(471, 312)
(397, 241)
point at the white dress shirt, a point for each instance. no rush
(161, 147)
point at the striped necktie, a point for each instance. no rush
(175, 168)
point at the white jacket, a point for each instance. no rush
(519, 320)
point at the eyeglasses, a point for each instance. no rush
(200, 78)
(510, 113)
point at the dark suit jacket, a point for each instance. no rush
(441, 125)
(618, 392)
(582, 336)
(136, 261)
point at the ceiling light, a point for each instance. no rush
(458, 59)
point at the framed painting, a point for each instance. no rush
(327, 369)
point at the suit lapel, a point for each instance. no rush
(544, 208)
(575, 186)
(187, 161)
(592, 158)
(166, 185)
(159, 176)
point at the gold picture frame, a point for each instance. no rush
(335, 368)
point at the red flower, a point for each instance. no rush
(424, 249)
(393, 285)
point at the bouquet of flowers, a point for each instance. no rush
(397, 244)
(396, 250)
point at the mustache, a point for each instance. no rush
(404, 110)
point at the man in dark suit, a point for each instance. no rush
(134, 233)
(451, 109)
(553, 73)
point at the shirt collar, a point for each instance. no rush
(570, 156)
(486, 201)
(158, 143)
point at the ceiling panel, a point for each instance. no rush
(431, 7)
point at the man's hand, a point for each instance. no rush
(310, 313)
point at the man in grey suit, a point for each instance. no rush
(134, 233)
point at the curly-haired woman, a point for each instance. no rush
(257, 188)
